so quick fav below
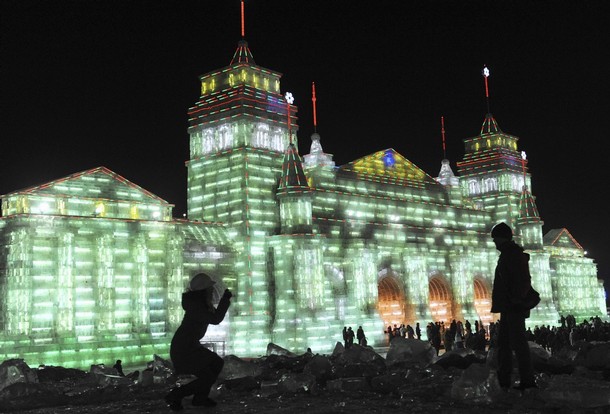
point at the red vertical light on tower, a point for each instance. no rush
(485, 76)
(243, 25)
(443, 135)
(523, 158)
(313, 100)
(289, 101)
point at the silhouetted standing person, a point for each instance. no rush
(360, 335)
(345, 337)
(512, 281)
(186, 351)
(417, 331)
(350, 337)
(119, 367)
(448, 339)
(436, 336)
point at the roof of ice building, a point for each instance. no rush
(389, 164)
(490, 125)
(561, 238)
(242, 54)
(99, 182)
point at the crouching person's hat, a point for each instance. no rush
(201, 281)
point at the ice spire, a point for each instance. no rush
(446, 176)
(243, 20)
(294, 195)
(242, 54)
(528, 212)
(316, 154)
(490, 126)
(293, 178)
(485, 76)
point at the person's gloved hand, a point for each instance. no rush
(227, 294)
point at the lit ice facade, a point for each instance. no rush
(371, 243)
(93, 266)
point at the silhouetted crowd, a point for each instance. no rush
(553, 338)
(460, 334)
(457, 334)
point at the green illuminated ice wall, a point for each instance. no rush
(92, 267)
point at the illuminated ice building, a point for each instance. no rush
(92, 266)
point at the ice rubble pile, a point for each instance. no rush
(411, 371)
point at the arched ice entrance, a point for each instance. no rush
(440, 300)
(391, 301)
(482, 302)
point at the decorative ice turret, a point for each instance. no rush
(294, 195)
(446, 176)
(317, 156)
(528, 221)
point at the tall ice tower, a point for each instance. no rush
(494, 176)
(239, 130)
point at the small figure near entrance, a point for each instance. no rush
(345, 337)
(434, 335)
(388, 331)
(417, 331)
(448, 339)
(512, 281)
(459, 335)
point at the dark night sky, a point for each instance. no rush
(85, 83)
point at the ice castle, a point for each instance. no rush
(92, 266)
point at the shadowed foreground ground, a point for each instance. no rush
(358, 380)
(429, 398)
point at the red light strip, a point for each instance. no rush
(243, 25)
(443, 134)
(313, 100)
